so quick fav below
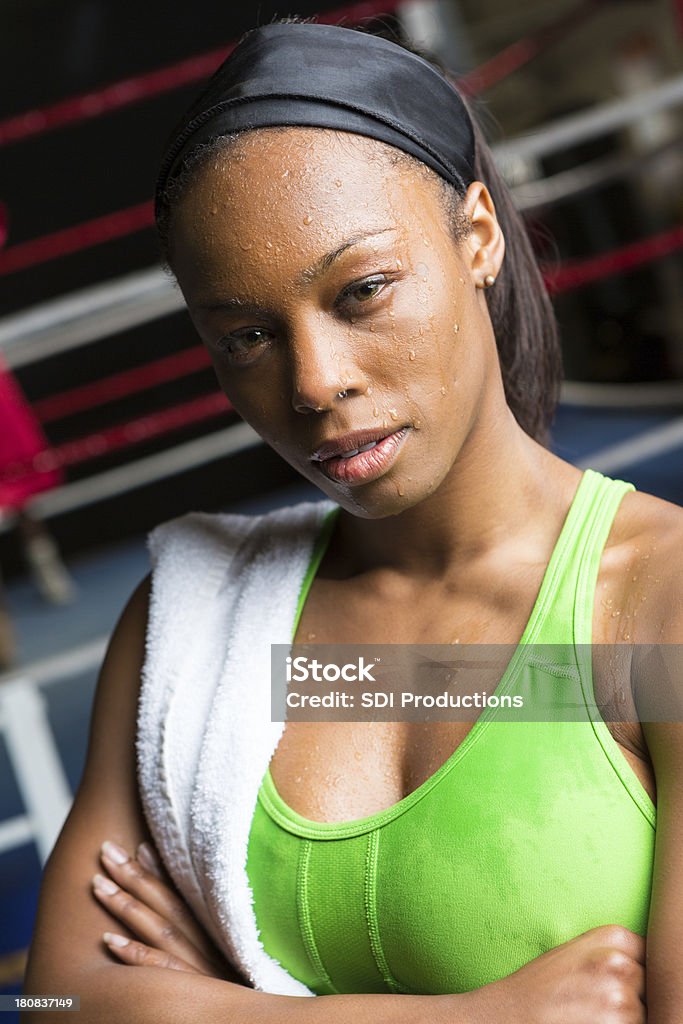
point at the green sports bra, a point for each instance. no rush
(529, 834)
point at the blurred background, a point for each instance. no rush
(110, 416)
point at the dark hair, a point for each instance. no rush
(521, 312)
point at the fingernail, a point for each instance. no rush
(112, 939)
(147, 858)
(105, 885)
(114, 852)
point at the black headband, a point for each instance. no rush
(326, 76)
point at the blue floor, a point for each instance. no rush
(106, 578)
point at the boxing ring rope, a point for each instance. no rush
(533, 195)
(647, 445)
(88, 315)
(120, 385)
(76, 238)
(575, 273)
(519, 53)
(149, 84)
(608, 117)
(146, 470)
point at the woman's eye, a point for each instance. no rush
(362, 291)
(243, 343)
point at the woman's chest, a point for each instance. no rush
(339, 771)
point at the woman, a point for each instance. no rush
(350, 258)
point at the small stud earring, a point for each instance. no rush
(489, 280)
(342, 394)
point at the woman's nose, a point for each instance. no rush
(323, 370)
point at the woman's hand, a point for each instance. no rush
(597, 977)
(137, 892)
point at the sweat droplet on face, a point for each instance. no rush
(456, 327)
(411, 354)
(393, 414)
(308, 219)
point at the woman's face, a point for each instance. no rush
(338, 311)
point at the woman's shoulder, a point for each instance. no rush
(647, 521)
(646, 547)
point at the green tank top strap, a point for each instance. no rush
(567, 614)
(319, 549)
(606, 497)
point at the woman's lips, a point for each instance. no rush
(365, 464)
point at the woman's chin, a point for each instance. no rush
(382, 498)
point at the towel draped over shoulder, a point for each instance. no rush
(224, 588)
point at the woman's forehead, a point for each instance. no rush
(276, 176)
(267, 211)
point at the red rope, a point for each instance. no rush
(575, 273)
(521, 52)
(151, 83)
(120, 385)
(111, 97)
(123, 435)
(76, 238)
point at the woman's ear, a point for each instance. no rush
(485, 243)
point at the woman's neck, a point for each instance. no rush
(502, 489)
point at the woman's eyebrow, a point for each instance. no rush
(308, 275)
(326, 261)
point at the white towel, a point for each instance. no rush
(224, 588)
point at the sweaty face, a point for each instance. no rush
(340, 315)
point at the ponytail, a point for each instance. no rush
(521, 312)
